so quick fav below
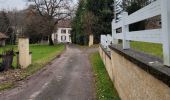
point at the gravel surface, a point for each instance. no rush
(69, 77)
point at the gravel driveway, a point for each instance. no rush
(68, 77)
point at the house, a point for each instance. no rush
(3, 37)
(63, 32)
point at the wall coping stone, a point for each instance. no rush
(108, 53)
(151, 64)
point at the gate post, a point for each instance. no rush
(125, 29)
(24, 56)
(165, 16)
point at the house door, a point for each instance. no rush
(63, 38)
(56, 38)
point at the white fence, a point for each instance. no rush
(159, 7)
(106, 40)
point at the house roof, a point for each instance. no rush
(3, 36)
(64, 23)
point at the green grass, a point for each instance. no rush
(6, 85)
(8, 47)
(39, 52)
(104, 86)
(43, 52)
(150, 48)
(41, 55)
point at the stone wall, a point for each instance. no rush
(107, 62)
(132, 82)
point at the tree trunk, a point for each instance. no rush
(51, 43)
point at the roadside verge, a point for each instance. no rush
(104, 87)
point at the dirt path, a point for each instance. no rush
(66, 78)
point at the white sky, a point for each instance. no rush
(15, 4)
(12, 4)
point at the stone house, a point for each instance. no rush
(3, 37)
(63, 32)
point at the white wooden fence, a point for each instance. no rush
(159, 7)
(106, 40)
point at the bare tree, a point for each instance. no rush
(4, 22)
(17, 22)
(35, 26)
(5, 25)
(53, 11)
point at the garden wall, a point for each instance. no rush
(133, 77)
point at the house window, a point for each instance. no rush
(160, 23)
(63, 31)
(69, 31)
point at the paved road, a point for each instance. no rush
(66, 78)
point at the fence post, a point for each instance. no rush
(114, 41)
(165, 16)
(125, 29)
(103, 41)
(109, 41)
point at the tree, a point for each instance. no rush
(132, 6)
(5, 25)
(4, 22)
(35, 27)
(78, 35)
(89, 20)
(52, 11)
(17, 22)
(102, 10)
(139, 3)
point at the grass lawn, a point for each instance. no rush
(7, 47)
(44, 52)
(104, 86)
(39, 52)
(41, 55)
(150, 48)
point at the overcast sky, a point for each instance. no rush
(12, 4)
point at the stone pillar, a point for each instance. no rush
(24, 56)
(91, 39)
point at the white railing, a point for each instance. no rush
(106, 40)
(103, 40)
(149, 11)
(159, 7)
